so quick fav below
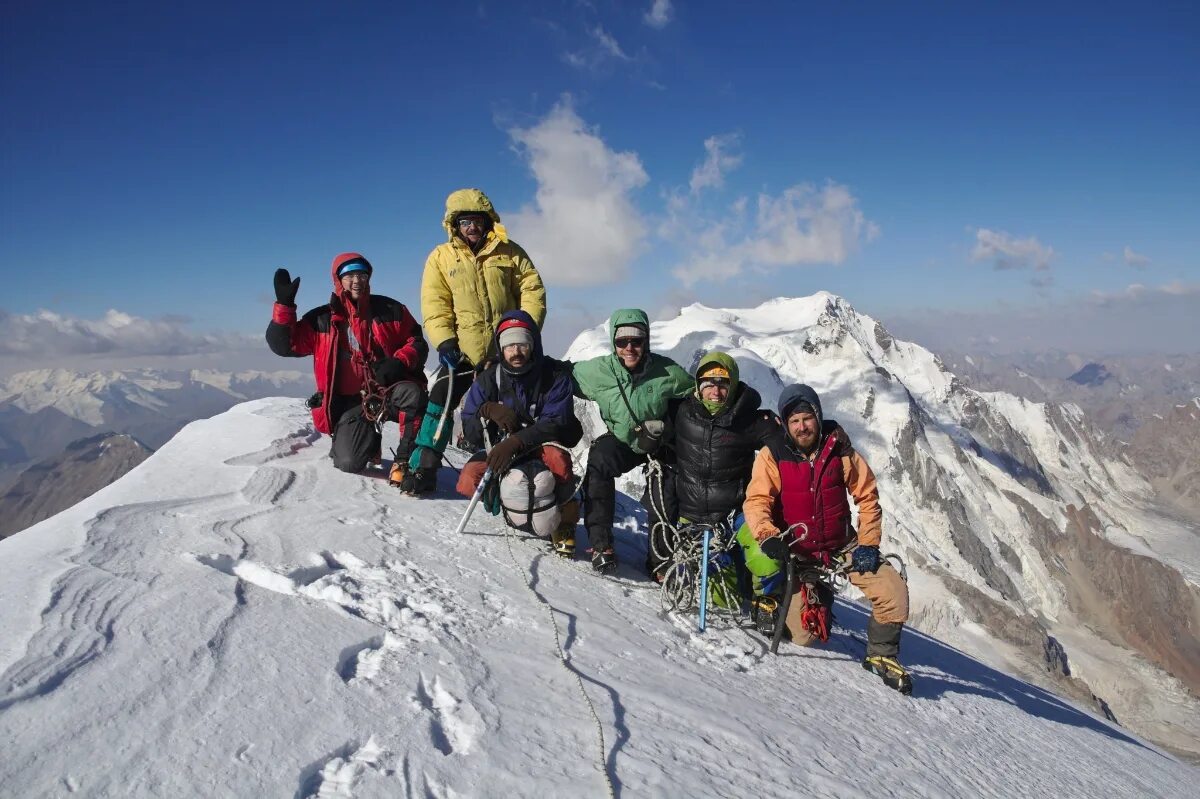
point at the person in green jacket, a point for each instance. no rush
(632, 387)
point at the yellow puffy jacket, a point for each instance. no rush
(464, 294)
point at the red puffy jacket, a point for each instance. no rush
(380, 327)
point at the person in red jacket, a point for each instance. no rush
(368, 360)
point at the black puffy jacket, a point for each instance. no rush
(715, 454)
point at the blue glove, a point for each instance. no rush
(774, 548)
(865, 559)
(449, 354)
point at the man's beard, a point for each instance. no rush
(808, 448)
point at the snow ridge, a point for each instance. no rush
(237, 618)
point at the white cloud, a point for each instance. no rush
(49, 334)
(718, 162)
(1136, 260)
(803, 225)
(659, 14)
(1141, 292)
(609, 44)
(1138, 318)
(1008, 252)
(582, 228)
(602, 50)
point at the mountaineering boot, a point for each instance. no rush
(563, 538)
(419, 481)
(563, 542)
(604, 561)
(398, 473)
(764, 612)
(890, 671)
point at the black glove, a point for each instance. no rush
(502, 455)
(286, 288)
(501, 415)
(650, 435)
(389, 371)
(865, 559)
(449, 354)
(774, 548)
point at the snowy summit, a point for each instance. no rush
(234, 617)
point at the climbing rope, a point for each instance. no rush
(562, 659)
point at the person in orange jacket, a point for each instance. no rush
(796, 503)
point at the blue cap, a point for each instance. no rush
(353, 266)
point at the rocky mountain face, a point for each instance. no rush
(1028, 541)
(42, 411)
(1118, 394)
(1166, 448)
(57, 483)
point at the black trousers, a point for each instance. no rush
(608, 459)
(355, 440)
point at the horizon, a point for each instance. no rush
(984, 181)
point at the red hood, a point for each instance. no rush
(340, 261)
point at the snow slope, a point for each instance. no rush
(236, 618)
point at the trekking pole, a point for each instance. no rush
(704, 577)
(483, 481)
(789, 588)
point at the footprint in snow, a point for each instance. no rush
(455, 724)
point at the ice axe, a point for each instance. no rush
(483, 481)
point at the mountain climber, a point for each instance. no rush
(527, 398)
(717, 429)
(368, 358)
(796, 503)
(632, 387)
(469, 282)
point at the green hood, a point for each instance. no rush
(727, 361)
(627, 316)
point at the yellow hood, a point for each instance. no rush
(471, 200)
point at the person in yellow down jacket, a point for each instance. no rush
(470, 281)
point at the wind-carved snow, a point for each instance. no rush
(238, 618)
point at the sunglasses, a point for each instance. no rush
(722, 382)
(465, 222)
(626, 343)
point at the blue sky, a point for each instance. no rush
(950, 169)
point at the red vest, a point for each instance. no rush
(813, 494)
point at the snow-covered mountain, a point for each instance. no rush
(236, 618)
(42, 411)
(57, 483)
(1027, 544)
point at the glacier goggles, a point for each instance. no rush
(628, 342)
(723, 382)
(467, 220)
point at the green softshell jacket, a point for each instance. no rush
(657, 381)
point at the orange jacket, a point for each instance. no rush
(762, 497)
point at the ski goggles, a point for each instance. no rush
(636, 342)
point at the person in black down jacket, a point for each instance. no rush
(717, 430)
